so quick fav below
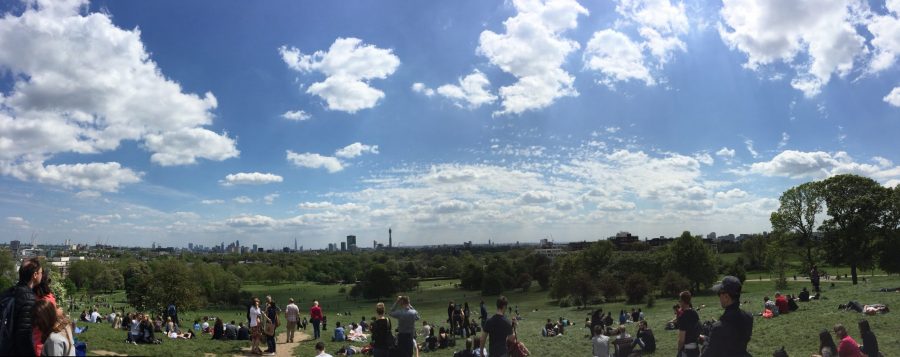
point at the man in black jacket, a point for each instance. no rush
(30, 274)
(729, 336)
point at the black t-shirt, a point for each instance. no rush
(689, 322)
(498, 328)
(381, 334)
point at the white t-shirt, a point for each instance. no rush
(94, 316)
(323, 354)
(601, 346)
(254, 315)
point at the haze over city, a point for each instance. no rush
(167, 122)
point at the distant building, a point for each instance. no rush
(14, 247)
(711, 235)
(551, 253)
(254, 248)
(343, 246)
(622, 239)
(351, 243)
(61, 264)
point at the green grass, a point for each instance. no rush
(796, 331)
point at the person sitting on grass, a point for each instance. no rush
(243, 333)
(600, 342)
(870, 343)
(549, 329)
(848, 346)
(770, 305)
(623, 342)
(826, 345)
(218, 330)
(205, 325)
(134, 333)
(231, 331)
(443, 338)
(782, 304)
(804, 295)
(467, 352)
(431, 342)
(645, 338)
(55, 329)
(320, 350)
(339, 335)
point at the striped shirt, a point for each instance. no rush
(292, 313)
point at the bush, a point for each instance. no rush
(636, 287)
(673, 284)
(609, 286)
(651, 300)
(736, 269)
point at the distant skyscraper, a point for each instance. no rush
(14, 246)
(390, 239)
(254, 248)
(190, 246)
(343, 246)
(295, 244)
(351, 242)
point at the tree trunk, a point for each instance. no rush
(853, 272)
(809, 253)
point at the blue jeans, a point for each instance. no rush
(270, 342)
(315, 329)
(406, 344)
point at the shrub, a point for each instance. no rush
(609, 286)
(636, 287)
(673, 284)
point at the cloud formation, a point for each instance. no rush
(348, 65)
(251, 178)
(533, 49)
(296, 115)
(472, 92)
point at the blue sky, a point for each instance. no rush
(173, 122)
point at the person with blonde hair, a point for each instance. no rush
(382, 337)
(55, 329)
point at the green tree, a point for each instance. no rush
(692, 259)
(7, 270)
(673, 284)
(108, 280)
(169, 280)
(562, 283)
(637, 287)
(890, 243)
(754, 250)
(796, 215)
(472, 277)
(855, 209)
(596, 257)
(777, 260)
(609, 285)
(585, 288)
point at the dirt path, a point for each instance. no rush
(282, 348)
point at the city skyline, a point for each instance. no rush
(443, 121)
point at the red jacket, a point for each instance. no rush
(315, 313)
(782, 304)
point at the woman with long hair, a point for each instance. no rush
(54, 328)
(870, 343)
(826, 345)
(42, 292)
(255, 316)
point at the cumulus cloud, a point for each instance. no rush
(616, 57)
(270, 198)
(452, 206)
(784, 140)
(818, 38)
(733, 193)
(725, 152)
(536, 197)
(885, 31)
(660, 23)
(420, 87)
(94, 86)
(893, 98)
(356, 149)
(315, 161)
(820, 164)
(251, 178)
(472, 92)
(348, 65)
(250, 221)
(212, 202)
(19, 221)
(533, 50)
(296, 115)
(106, 177)
(243, 199)
(87, 194)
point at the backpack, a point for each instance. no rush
(7, 313)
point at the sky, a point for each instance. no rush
(168, 122)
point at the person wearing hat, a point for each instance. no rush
(729, 336)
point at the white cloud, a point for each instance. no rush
(19, 221)
(419, 87)
(816, 37)
(315, 205)
(731, 194)
(296, 115)
(659, 22)
(885, 31)
(212, 202)
(725, 152)
(87, 194)
(452, 206)
(348, 65)
(472, 91)
(749, 144)
(250, 221)
(536, 197)
(704, 158)
(893, 98)
(784, 140)
(533, 50)
(105, 177)
(356, 149)
(243, 199)
(94, 86)
(251, 178)
(819, 164)
(616, 57)
(270, 198)
(100, 219)
(315, 161)
(882, 162)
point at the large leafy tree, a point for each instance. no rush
(796, 215)
(890, 244)
(691, 258)
(856, 212)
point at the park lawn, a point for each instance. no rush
(796, 331)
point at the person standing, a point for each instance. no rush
(483, 314)
(382, 336)
(730, 335)
(600, 342)
(814, 278)
(255, 316)
(172, 312)
(688, 327)
(272, 311)
(498, 327)
(291, 315)
(42, 292)
(315, 316)
(406, 317)
(30, 275)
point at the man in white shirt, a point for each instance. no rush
(320, 348)
(95, 317)
(291, 314)
(600, 342)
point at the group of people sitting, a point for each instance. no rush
(354, 332)
(616, 341)
(847, 346)
(782, 304)
(553, 329)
